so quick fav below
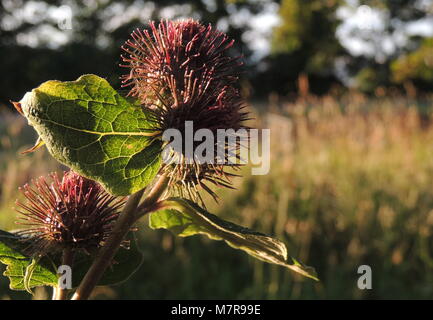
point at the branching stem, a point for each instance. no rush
(120, 230)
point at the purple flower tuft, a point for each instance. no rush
(73, 213)
(182, 71)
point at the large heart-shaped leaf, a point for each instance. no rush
(89, 127)
(23, 271)
(185, 218)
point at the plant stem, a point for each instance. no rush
(107, 252)
(59, 292)
(121, 228)
(153, 197)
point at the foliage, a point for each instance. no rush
(365, 197)
(23, 271)
(117, 142)
(26, 272)
(416, 65)
(88, 126)
(388, 45)
(93, 46)
(304, 42)
(369, 79)
(307, 33)
(185, 218)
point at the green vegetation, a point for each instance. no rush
(415, 66)
(307, 34)
(351, 186)
(89, 127)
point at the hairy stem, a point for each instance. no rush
(67, 258)
(152, 198)
(120, 230)
(107, 252)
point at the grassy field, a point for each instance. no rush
(350, 184)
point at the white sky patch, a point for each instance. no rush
(177, 11)
(422, 27)
(142, 11)
(41, 14)
(425, 5)
(9, 23)
(260, 26)
(139, 10)
(363, 30)
(362, 17)
(33, 12)
(211, 5)
(44, 35)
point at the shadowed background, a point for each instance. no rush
(344, 86)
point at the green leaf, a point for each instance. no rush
(125, 263)
(184, 218)
(89, 127)
(28, 275)
(24, 272)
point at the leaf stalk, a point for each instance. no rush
(123, 225)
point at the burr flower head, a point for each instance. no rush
(182, 71)
(74, 213)
(177, 61)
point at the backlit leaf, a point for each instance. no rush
(24, 272)
(89, 127)
(185, 218)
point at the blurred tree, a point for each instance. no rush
(416, 66)
(370, 78)
(385, 66)
(30, 50)
(304, 42)
(403, 10)
(304, 46)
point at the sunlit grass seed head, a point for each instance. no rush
(183, 71)
(73, 212)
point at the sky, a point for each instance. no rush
(362, 30)
(372, 38)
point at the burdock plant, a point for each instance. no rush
(72, 214)
(179, 73)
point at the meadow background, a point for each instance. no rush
(351, 178)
